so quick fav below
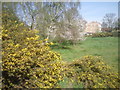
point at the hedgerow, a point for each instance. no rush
(92, 72)
(102, 34)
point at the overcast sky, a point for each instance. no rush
(95, 11)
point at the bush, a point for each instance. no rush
(27, 61)
(116, 33)
(93, 73)
(102, 34)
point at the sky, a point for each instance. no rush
(95, 11)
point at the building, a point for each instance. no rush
(93, 27)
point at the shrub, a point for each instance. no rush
(27, 61)
(102, 34)
(115, 33)
(93, 73)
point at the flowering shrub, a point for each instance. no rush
(93, 73)
(27, 61)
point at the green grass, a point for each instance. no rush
(106, 47)
(68, 84)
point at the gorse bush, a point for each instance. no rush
(93, 73)
(27, 61)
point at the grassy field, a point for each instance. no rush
(106, 47)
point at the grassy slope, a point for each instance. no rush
(107, 47)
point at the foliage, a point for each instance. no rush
(93, 73)
(45, 15)
(102, 34)
(116, 33)
(27, 61)
(54, 20)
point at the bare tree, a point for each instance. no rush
(109, 21)
(60, 18)
(30, 12)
